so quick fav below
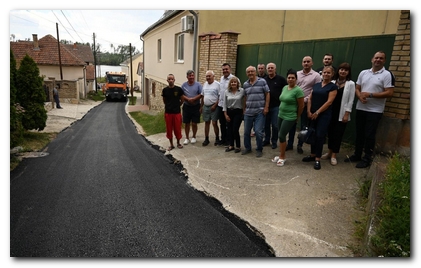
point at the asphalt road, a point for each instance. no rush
(104, 191)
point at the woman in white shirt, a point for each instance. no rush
(341, 111)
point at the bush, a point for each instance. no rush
(31, 95)
(392, 230)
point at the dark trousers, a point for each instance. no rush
(303, 123)
(271, 126)
(335, 134)
(321, 125)
(366, 124)
(223, 124)
(233, 127)
(57, 101)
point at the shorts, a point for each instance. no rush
(208, 115)
(191, 113)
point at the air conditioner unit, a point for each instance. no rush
(187, 24)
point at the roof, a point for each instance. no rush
(47, 52)
(168, 14)
(83, 52)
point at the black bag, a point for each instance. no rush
(307, 135)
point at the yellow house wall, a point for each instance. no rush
(158, 70)
(268, 26)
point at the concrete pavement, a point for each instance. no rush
(300, 211)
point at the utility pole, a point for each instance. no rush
(59, 54)
(96, 82)
(131, 69)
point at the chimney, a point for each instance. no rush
(35, 40)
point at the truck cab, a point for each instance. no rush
(116, 86)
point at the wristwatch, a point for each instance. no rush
(371, 95)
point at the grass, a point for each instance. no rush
(96, 96)
(151, 124)
(392, 218)
(32, 142)
(392, 231)
(132, 100)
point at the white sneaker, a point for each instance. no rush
(193, 140)
(186, 141)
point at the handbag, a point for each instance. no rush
(307, 135)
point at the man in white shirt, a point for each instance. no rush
(372, 88)
(211, 89)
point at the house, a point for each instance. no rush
(134, 70)
(71, 72)
(204, 39)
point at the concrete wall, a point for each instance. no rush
(267, 26)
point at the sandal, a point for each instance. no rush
(280, 162)
(179, 146)
(170, 148)
(326, 156)
(275, 159)
(237, 150)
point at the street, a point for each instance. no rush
(104, 191)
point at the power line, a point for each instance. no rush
(62, 25)
(71, 25)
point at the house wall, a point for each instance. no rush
(156, 70)
(267, 26)
(137, 79)
(69, 72)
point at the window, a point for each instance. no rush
(159, 50)
(180, 47)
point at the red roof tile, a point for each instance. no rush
(47, 52)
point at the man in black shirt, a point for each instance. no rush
(173, 98)
(327, 61)
(275, 83)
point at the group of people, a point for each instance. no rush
(271, 106)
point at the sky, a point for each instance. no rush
(112, 28)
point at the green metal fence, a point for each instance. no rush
(357, 51)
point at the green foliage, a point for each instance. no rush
(31, 95)
(96, 96)
(132, 100)
(120, 54)
(151, 124)
(392, 233)
(16, 128)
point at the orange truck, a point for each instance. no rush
(116, 86)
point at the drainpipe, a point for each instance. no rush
(84, 82)
(143, 71)
(196, 24)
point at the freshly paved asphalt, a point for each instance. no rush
(298, 211)
(105, 191)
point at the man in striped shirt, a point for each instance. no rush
(256, 107)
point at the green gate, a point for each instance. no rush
(357, 51)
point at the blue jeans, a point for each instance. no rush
(271, 135)
(257, 122)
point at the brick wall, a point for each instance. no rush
(394, 132)
(399, 105)
(215, 50)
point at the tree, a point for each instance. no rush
(16, 128)
(31, 95)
